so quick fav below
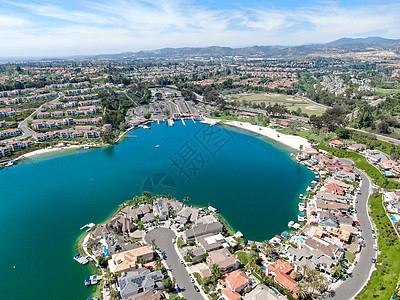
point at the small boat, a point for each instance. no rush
(301, 196)
(290, 224)
(87, 281)
(212, 209)
(86, 147)
(157, 146)
(301, 218)
(9, 164)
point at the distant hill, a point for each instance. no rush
(370, 41)
(340, 46)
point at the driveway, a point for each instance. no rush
(163, 239)
(360, 273)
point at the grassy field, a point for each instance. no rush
(291, 102)
(386, 92)
(304, 134)
(384, 280)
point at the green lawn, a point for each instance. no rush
(350, 256)
(180, 243)
(384, 280)
(242, 257)
(291, 102)
(388, 91)
(304, 134)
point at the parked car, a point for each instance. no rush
(181, 261)
(196, 288)
(375, 247)
(191, 279)
(373, 260)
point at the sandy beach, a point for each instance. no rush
(291, 141)
(48, 150)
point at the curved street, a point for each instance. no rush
(361, 273)
(163, 239)
(23, 126)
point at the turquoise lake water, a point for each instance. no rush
(45, 200)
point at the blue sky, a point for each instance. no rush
(59, 28)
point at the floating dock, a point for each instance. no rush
(90, 225)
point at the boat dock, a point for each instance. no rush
(81, 259)
(193, 120)
(90, 225)
(183, 122)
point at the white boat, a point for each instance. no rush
(86, 147)
(301, 196)
(214, 210)
(9, 164)
(290, 224)
(157, 146)
(302, 207)
(170, 122)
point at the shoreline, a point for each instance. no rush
(291, 141)
(53, 149)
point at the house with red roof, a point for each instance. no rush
(281, 271)
(237, 281)
(335, 144)
(333, 188)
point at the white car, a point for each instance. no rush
(181, 261)
(191, 279)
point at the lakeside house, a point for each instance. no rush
(130, 260)
(139, 281)
(199, 230)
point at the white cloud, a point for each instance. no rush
(11, 22)
(131, 25)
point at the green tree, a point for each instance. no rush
(147, 116)
(168, 285)
(215, 271)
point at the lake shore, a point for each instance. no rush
(51, 149)
(291, 141)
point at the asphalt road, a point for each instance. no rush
(360, 273)
(379, 136)
(163, 239)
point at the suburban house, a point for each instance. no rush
(138, 281)
(213, 242)
(130, 260)
(356, 147)
(148, 295)
(123, 224)
(236, 281)
(262, 292)
(281, 271)
(202, 229)
(224, 259)
(335, 144)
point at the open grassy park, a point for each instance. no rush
(291, 102)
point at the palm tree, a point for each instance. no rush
(254, 257)
(186, 199)
(268, 248)
(337, 271)
(215, 271)
(302, 290)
